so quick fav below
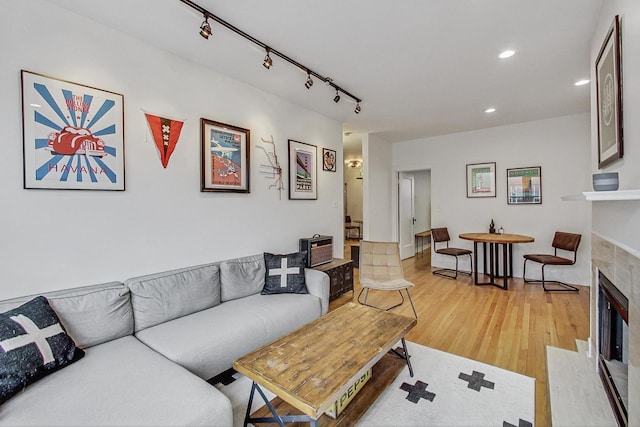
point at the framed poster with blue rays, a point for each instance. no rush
(73, 135)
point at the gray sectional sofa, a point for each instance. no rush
(152, 342)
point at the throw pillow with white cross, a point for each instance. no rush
(284, 271)
(33, 335)
(285, 274)
(33, 344)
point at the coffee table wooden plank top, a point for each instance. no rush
(311, 367)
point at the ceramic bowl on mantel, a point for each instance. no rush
(605, 181)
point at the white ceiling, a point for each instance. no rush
(422, 67)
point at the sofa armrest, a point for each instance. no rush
(318, 285)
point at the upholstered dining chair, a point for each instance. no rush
(348, 226)
(380, 268)
(564, 241)
(440, 236)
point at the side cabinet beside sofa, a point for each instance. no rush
(340, 272)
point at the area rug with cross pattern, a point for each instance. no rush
(445, 390)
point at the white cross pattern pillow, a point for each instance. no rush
(284, 274)
(33, 344)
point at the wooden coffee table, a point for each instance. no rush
(313, 366)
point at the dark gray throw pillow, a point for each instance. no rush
(33, 344)
(284, 274)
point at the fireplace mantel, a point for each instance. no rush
(595, 196)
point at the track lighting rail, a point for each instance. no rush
(270, 50)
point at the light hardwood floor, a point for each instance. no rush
(509, 329)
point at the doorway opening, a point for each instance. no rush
(414, 213)
(352, 192)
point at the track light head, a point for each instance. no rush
(357, 110)
(267, 60)
(205, 28)
(309, 82)
(337, 97)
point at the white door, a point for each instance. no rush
(406, 215)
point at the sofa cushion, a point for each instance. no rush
(33, 344)
(207, 343)
(157, 298)
(119, 383)
(285, 274)
(90, 314)
(241, 277)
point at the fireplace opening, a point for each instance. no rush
(613, 347)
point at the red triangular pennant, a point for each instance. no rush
(165, 134)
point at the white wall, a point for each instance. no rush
(560, 146)
(620, 221)
(162, 220)
(376, 190)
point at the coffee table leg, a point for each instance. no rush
(275, 419)
(246, 416)
(280, 419)
(407, 357)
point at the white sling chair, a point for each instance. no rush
(381, 269)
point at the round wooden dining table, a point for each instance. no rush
(495, 240)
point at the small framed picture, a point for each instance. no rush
(481, 180)
(328, 160)
(609, 98)
(303, 177)
(524, 186)
(73, 135)
(225, 157)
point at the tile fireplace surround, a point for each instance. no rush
(623, 269)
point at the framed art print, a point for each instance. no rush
(481, 180)
(73, 135)
(328, 160)
(225, 157)
(524, 186)
(609, 97)
(303, 177)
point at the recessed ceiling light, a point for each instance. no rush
(582, 82)
(490, 110)
(507, 54)
(36, 105)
